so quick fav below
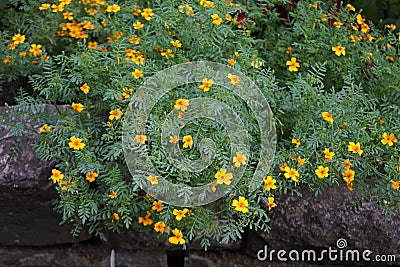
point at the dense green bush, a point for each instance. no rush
(331, 81)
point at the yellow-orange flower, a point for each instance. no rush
(173, 139)
(348, 176)
(76, 143)
(146, 219)
(269, 183)
(271, 203)
(137, 73)
(181, 104)
(187, 141)
(45, 128)
(179, 214)
(147, 13)
(296, 141)
(57, 176)
(138, 25)
(328, 154)
(355, 148)
(339, 50)
(223, 177)
(239, 159)
(233, 79)
(157, 206)
(92, 45)
(350, 7)
(176, 43)
(114, 8)
(159, 227)
(292, 174)
(206, 84)
(153, 179)
(241, 204)
(388, 139)
(115, 114)
(395, 184)
(85, 88)
(91, 176)
(44, 6)
(18, 39)
(327, 117)
(35, 49)
(114, 217)
(347, 164)
(322, 172)
(113, 194)
(140, 138)
(77, 107)
(293, 64)
(177, 238)
(216, 19)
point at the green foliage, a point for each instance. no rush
(102, 49)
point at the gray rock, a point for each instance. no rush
(319, 222)
(26, 214)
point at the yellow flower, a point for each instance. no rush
(115, 114)
(44, 6)
(114, 217)
(327, 117)
(77, 107)
(350, 7)
(187, 141)
(355, 148)
(114, 8)
(239, 159)
(85, 88)
(18, 39)
(176, 43)
(138, 25)
(159, 227)
(157, 205)
(293, 64)
(337, 24)
(173, 139)
(347, 164)
(391, 26)
(57, 176)
(360, 19)
(92, 45)
(322, 172)
(315, 5)
(146, 219)
(328, 154)
(282, 167)
(35, 49)
(181, 104)
(177, 238)
(216, 19)
(231, 62)
(339, 50)
(395, 184)
(45, 128)
(301, 161)
(91, 176)
(58, 8)
(296, 141)
(241, 205)
(180, 213)
(68, 15)
(388, 139)
(364, 27)
(147, 13)
(271, 203)
(153, 179)
(137, 73)
(113, 194)
(292, 174)
(223, 177)
(269, 183)
(167, 54)
(233, 79)
(141, 139)
(323, 17)
(206, 84)
(348, 176)
(76, 143)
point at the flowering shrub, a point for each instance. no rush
(331, 81)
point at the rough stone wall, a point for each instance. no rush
(30, 234)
